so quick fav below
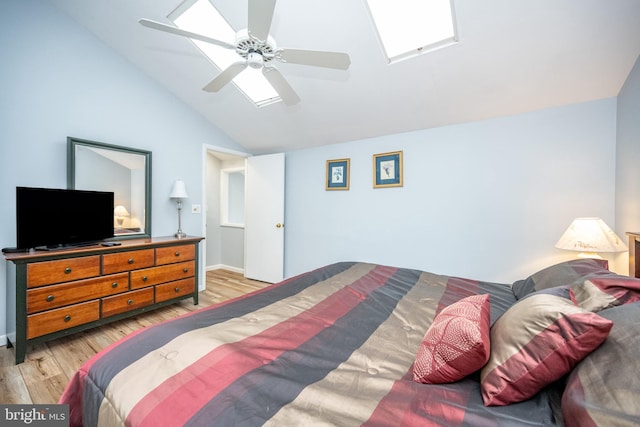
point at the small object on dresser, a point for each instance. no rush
(109, 244)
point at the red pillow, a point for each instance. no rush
(457, 342)
(597, 292)
(537, 341)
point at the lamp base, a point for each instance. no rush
(589, 255)
(180, 234)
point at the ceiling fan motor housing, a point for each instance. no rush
(257, 52)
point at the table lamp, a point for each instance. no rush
(120, 212)
(589, 236)
(179, 192)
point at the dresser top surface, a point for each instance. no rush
(37, 255)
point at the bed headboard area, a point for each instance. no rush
(634, 254)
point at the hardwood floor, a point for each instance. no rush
(48, 367)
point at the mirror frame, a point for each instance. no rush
(72, 143)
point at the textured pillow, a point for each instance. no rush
(603, 388)
(536, 342)
(457, 342)
(563, 273)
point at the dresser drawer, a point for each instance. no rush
(62, 270)
(173, 254)
(48, 297)
(127, 302)
(165, 273)
(166, 291)
(125, 261)
(62, 318)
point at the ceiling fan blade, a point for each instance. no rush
(277, 80)
(173, 30)
(225, 77)
(260, 16)
(316, 58)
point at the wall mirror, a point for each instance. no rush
(125, 171)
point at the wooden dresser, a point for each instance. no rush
(57, 293)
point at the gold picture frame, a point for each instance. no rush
(387, 170)
(338, 174)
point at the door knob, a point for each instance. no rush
(278, 225)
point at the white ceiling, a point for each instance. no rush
(512, 57)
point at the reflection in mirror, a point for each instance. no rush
(125, 171)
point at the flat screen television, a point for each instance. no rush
(49, 218)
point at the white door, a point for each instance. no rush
(264, 218)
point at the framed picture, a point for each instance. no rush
(387, 169)
(337, 174)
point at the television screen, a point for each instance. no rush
(52, 218)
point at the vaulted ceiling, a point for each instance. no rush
(512, 57)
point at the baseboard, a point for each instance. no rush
(3, 340)
(224, 267)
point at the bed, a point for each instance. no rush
(364, 344)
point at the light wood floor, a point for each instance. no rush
(48, 367)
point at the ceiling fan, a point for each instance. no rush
(257, 49)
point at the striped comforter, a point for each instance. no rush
(332, 347)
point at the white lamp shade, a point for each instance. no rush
(179, 190)
(590, 235)
(120, 211)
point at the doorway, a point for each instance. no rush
(243, 240)
(224, 209)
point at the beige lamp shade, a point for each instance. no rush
(120, 211)
(179, 190)
(590, 235)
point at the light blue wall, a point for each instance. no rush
(628, 155)
(58, 80)
(485, 200)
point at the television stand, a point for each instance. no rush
(55, 293)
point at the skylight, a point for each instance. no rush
(410, 27)
(200, 16)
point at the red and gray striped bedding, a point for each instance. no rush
(331, 347)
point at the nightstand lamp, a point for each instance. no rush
(589, 236)
(120, 212)
(179, 192)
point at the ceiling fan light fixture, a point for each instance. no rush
(254, 46)
(201, 16)
(255, 59)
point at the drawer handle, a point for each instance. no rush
(177, 253)
(67, 318)
(114, 285)
(145, 278)
(186, 270)
(130, 302)
(67, 270)
(50, 298)
(177, 289)
(130, 261)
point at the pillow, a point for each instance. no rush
(598, 291)
(563, 273)
(457, 342)
(536, 342)
(603, 388)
